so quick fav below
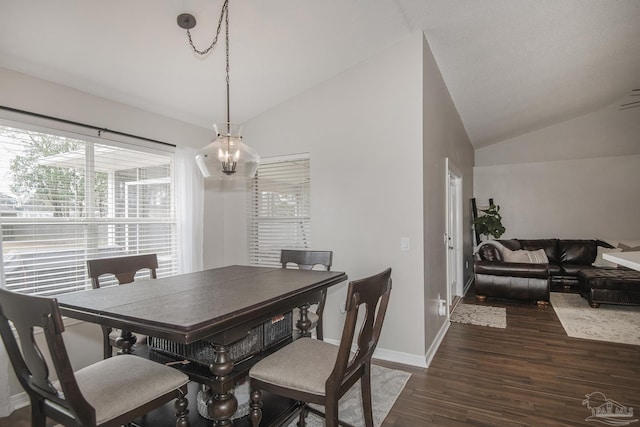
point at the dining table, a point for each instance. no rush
(218, 305)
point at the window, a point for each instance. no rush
(279, 209)
(65, 200)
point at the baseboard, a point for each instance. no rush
(436, 342)
(393, 356)
(19, 401)
(467, 285)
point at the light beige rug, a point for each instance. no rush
(481, 315)
(386, 386)
(614, 323)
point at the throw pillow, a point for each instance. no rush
(526, 257)
(601, 262)
(626, 248)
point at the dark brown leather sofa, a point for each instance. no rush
(496, 278)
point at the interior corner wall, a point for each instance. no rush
(444, 136)
(575, 179)
(362, 130)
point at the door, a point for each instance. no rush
(454, 235)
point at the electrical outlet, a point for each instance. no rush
(442, 307)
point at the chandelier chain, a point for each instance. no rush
(224, 12)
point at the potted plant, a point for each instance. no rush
(489, 222)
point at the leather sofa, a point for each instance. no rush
(495, 277)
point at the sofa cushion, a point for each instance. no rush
(626, 248)
(555, 269)
(512, 244)
(550, 247)
(527, 257)
(600, 261)
(573, 269)
(582, 252)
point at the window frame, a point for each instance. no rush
(262, 249)
(77, 132)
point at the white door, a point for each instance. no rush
(454, 234)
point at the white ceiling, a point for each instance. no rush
(512, 66)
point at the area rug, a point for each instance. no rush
(613, 323)
(481, 315)
(386, 385)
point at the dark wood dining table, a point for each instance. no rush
(220, 305)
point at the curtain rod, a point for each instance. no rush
(71, 122)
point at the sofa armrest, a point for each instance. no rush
(512, 269)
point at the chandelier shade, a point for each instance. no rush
(227, 155)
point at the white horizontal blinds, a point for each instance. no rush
(279, 209)
(65, 200)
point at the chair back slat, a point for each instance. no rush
(27, 313)
(306, 260)
(123, 268)
(370, 295)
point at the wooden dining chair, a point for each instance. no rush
(111, 392)
(124, 268)
(314, 371)
(307, 260)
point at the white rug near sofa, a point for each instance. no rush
(481, 315)
(613, 323)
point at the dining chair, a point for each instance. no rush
(124, 268)
(306, 260)
(314, 371)
(108, 393)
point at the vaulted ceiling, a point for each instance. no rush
(512, 66)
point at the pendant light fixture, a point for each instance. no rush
(227, 155)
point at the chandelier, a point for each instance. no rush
(227, 155)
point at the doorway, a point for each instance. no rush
(454, 235)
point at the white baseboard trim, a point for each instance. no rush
(393, 356)
(19, 401)
(436, 342)
(468, 285)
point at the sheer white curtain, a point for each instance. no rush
(5, 397)
(189, 194)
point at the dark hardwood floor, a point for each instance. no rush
(529, 374)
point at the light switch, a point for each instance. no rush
(404, 244)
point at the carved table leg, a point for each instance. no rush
(304, 324)
(125, 342)
(221, 407)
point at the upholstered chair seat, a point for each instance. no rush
(304, 365)
(102, 386)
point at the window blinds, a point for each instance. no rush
(64, 201)
(279, 209)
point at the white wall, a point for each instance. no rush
(363, 131)
(444, 136)
(583, 198)
(576, 179)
